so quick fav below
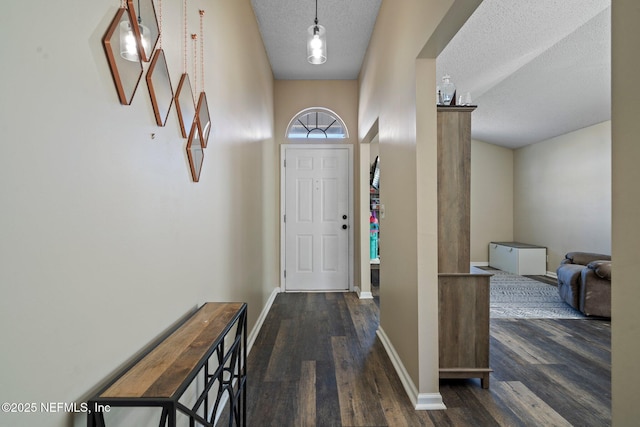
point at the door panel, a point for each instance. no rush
(316, 233)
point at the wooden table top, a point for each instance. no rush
(164, 369)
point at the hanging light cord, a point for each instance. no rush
(184, 39)
(316, 20)
(159, 24)
(202, 50)
(194, 38)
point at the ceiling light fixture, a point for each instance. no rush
(316, 42)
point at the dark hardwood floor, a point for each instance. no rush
(317, 362)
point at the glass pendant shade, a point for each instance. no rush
(145, 36)
(128, 44)
(316, 44)
(448, 90)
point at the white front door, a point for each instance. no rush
(316, 219)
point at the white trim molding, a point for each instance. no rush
(361, 294)
(420, 401)
(263, 315)
(251, 338)
(430, 402)
(479, 263)
(283, 148)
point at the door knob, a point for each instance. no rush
(344, 226)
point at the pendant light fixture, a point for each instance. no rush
(128, 41)
(316, 42)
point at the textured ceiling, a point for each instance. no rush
(283, 25)
(535, 68)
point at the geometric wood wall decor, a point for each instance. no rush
(160, 89)
(144, 20)
(185, 106)
(126, 74)
(204, 121)
(195, 151)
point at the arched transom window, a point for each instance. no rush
(317, 123)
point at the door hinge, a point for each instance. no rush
(285, 163)
(285, 217)
(285, 274)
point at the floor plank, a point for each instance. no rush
(529, 407)
(318, 362)
(306, 409)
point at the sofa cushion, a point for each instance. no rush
(601, 268)
(585, 258)
(569, 283)
(595, 294)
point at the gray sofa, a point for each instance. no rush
(584, 282)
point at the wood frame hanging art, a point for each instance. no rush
(204, 121)
(195, 152)
(185, 104)
(202, 108)
(126, 73)
(159, 81)
(160, 89)
(142, 14)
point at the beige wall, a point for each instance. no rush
(517, 194)
(625, 15)
(106, 241)
(339, 96)
(562, 193)
(491, 198)
(293, 96)
(395, 89)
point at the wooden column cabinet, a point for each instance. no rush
(463, 296)
(454, 189)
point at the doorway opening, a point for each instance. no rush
(369, 257)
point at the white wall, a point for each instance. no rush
(106, 241)
(339, 96)
(556, 193)
(562, 193)
(491, 198)
(396, 89)
(388, 94)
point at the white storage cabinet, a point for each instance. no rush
(518, 258)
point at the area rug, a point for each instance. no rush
(514, 296)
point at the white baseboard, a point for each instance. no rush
(363, 295)
(480, 264)
(430, 402)
(552, 274)
(420, 401)
(251, 338)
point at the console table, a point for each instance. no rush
(210, 344)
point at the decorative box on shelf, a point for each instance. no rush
(518, 258)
